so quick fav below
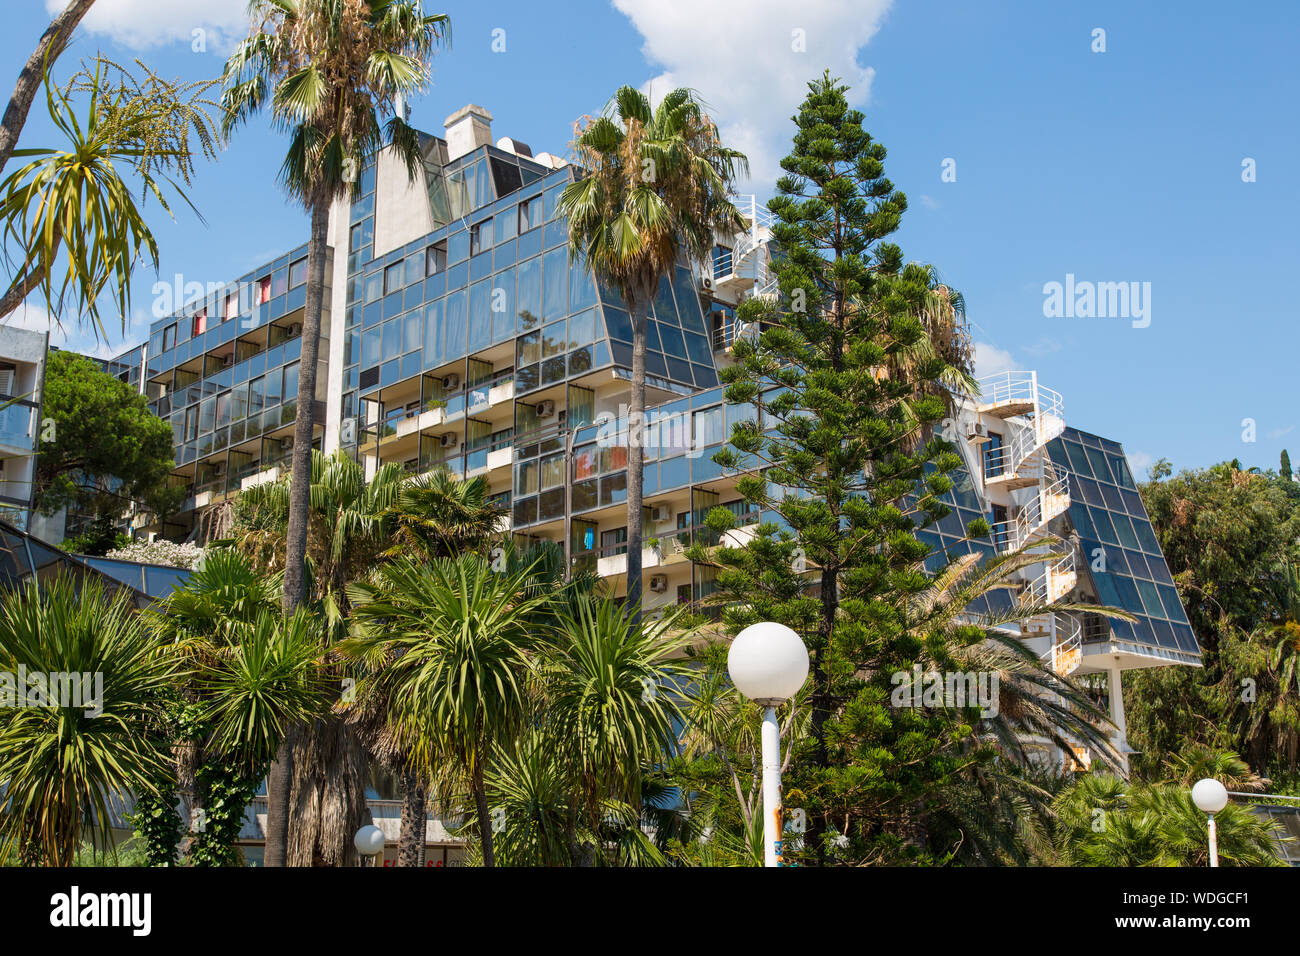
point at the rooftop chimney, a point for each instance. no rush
(467, 129)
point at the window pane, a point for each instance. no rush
(555, 299)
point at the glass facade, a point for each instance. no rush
(223, 372)
(1120, 553)
(491, 299)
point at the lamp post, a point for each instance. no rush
(1210, 797)
(768, 663)
(369, 841)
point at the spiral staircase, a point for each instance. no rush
(745, 269)
(1033, 415)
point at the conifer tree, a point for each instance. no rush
(844, 380)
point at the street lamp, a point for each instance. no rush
(1210, 797)
(369, 841)
(768, 663)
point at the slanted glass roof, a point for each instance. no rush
(23, 557)
(1121, 554)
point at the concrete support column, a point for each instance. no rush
(1115, 689)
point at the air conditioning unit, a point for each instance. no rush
(219, 469)
(228, 360)
(449, 439)
(545, 409)
(295, 329)
(450, 382)
(977, 433)
(706, 283)
(661, 513)
(659, 583)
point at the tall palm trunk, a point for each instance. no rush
(329, 795)
(279, 789)
(410, 842)
(636, 456)
(295, 580)
(280, 780)
(481, 805)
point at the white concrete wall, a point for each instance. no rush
(402, 212)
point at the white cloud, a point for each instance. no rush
(929, 202)
(1140, 462)
(751, 61)
(1281, 432)
(989, 360)
(144, 23)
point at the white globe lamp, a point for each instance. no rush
(768, 663)
(369, 841)
(1210, 797)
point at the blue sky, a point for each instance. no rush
(1115, 166)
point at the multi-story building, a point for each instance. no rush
(458, 334)
(22, 379)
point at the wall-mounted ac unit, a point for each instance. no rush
(706, 283)
(228, 360)
(977, 433)
(661, 513)
(295, 329)
(219, 469)
(450, 382)
(449, 439)
(659, 583)
(545, 409)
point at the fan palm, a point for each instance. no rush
(1034, 701)
(321, 766)
(655, 192)
(453, 636)
(443, 515)
(328, 70)
(63, 761)
(1103, 821)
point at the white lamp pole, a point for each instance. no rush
(1210, 797)
(369, 841)
(768, 663)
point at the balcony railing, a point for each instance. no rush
(17, 423)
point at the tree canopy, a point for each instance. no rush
(102, 449)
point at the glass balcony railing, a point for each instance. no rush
(18, 423)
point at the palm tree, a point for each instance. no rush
(611, 690)
(438, 515)
(453, 636)
(655, 191)
(443, 515)
(200, 622)
(330, 70)
(73, 203)
(62, 760)
(51, 45)
(321, 766)
(1102, 821)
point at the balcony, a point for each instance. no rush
(18, 424)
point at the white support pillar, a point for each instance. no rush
(1115, 690)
